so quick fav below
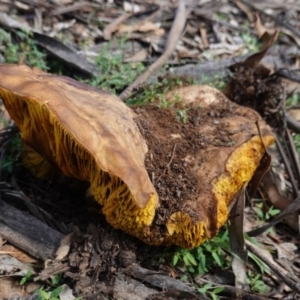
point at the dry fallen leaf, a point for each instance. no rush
(274, 195)
(112, 27)
(137, 57)
(66, 293)
(64, 247)
(147, 26)
(286, 250)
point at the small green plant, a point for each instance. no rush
(165, 103)
(12, 154)
(187, 258)
(55, 280)
(147, 95)
(46, 294)
(211, 291)
(10, 50)
(216, 81)
(293, 99)
(209, 255)
(116, 75)
(266, 215)
(231, 143)
(251, 42)
(255, 282)
(296, 139)
(221, 16)
(32, 54)
(157, 92)
(27, 277)
(181, 115)
(261, 265)
(53, 291)
(26, 50)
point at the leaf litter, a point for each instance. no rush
(265, 86)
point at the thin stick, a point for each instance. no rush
(293, 153)
(169, 163)
(295, 286)
(174, 35)
(287, 166)
(235, 293)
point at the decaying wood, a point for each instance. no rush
(176, 294)
(209, 70)
(128, 288)
(51, 271)
(28, 233)
(234, 293)
(156, 279)
(31, 297)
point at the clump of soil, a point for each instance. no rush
(171, 141)
(257, 89)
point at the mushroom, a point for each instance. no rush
(85, 133)
(93, 136)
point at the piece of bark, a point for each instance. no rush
(51, 271)
(31, 297)
(27, 233)
(209, 70)
(128, 288)
(234, 293)
(175, 294)
(157, 280)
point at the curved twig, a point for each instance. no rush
(174, 35)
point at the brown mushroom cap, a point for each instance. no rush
(92, 135)
(86, 133)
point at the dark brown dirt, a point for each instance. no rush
(171, 174)
(257, 89)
